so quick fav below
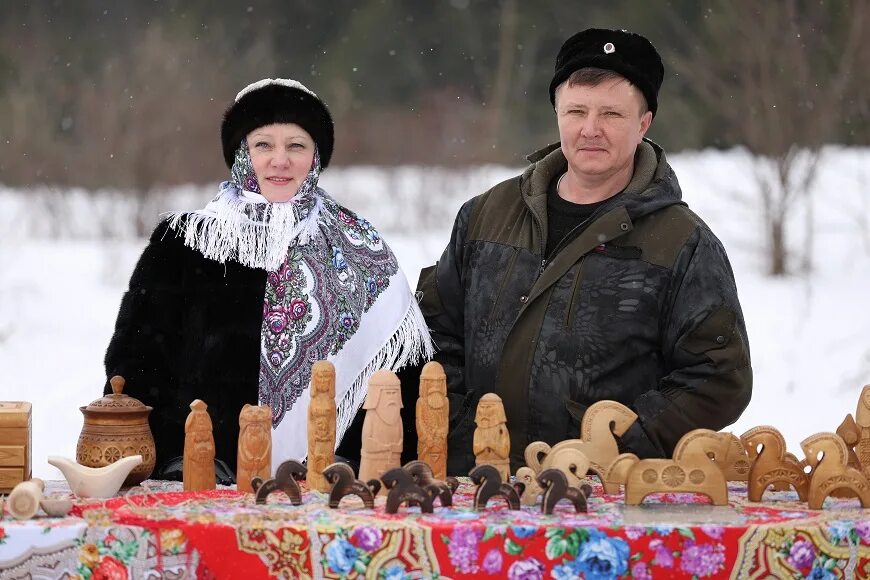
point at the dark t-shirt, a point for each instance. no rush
(563, 215)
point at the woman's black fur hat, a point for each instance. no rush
(277, 101)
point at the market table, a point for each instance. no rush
(157, 530)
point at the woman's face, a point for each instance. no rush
(281, 154)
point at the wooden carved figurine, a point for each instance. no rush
(573, 463)
(489, 485)
(344, 483)
(404, 490)
(382, 427)
(601, 422)
(692, 470)
(436, 488)
(24, 499)
(255, 446)
(616, 474)
(286, 477)
(433, 416)
(736, 462)
(850, 433)
(770, 465)
(862, 418)
(492, 444)
(831, 472)
(198, 463)
(556, 488)
(321, 424)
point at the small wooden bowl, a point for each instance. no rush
(56, 507)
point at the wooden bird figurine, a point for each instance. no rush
(404, 490)
(321, 424)
(433, 416)
(831, 472)
(489, 485)
(601, 422)
(255, 446)
(692, 470)
(199, 449)
(286, 477)
(436, 488)
(344, 483)
(766, 447)
(556, 488)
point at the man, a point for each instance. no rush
(587, 278)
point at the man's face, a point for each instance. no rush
(600, 127)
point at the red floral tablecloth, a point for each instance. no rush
(223, 534)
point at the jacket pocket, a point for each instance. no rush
(713, 333)
(504, 281)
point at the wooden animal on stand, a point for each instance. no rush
(436, 488)
(850, 433)
(344, 483)
(601, 422)
(826, 452)
(490, 485)
(321, 424)
(286, 477)
(692, 470)
(492, 444)
(736, 463)
(382, 427)
(616, 474)
(404, 490)
(862, 418)
(199, 449)
(766, 446)
(556, 488)
(255, 446)
(433, 417)
(573, 463)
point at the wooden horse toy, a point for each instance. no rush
(692, 470)
(771, 464)
(403, 489)
(601, 422)
(489, 484)
(344, 483)
(286, 476)
(573, 463)
(436, 488)
(831, 472)
(556, 488)
(616, 474)
(736, 463)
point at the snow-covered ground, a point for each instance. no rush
(60, 285)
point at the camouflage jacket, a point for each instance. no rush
(639, 305)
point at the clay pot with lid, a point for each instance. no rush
(116, 426)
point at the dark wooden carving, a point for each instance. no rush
(489, 484)
(556, 488)
(286, 477)
(344, 483)
(404, 490)
(436, 488)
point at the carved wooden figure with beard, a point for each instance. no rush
(255, 446)
(382, 427)
(321, 424)
(198, 464)
(433, 416)
(492, 444)
(862, 418)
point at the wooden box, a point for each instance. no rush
(16, 441)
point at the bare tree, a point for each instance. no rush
(777, 75)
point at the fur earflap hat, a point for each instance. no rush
(626, 53)
(277, 101)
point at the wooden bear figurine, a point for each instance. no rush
(198, 464)
(492, 444)
(404, 490)
(692, 470)
(770, 464)
(436, 488)
(433, 416)
(489, 485)
(321, 424)
(601, 421)
(255, 446)
(286, 477)
(831, 472)
(382, 427)
(344, 483)
(556, 487)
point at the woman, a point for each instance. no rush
(232, 304)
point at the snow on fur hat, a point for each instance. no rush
(626, 53)
(270, 101)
